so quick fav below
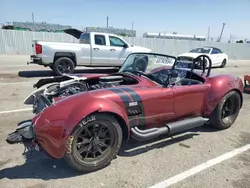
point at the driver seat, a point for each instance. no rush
(188, 81)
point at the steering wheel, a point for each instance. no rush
(172, 76)
(140, 64)
(203, 61)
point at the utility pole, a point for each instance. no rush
(107, 21)
(33, 19)
(208, 34)
(219, 39)
(132, 25)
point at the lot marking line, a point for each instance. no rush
(15, 83)
(179, 177)
(12, 111)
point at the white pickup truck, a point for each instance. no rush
(94, 50)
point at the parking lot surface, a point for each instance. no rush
(138, 164)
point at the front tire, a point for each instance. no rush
(225, 114)
(94, 142)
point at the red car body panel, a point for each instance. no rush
(158, 105)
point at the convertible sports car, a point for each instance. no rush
(85, 118)
(218, 58)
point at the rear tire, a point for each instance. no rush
(223, 64)
(63, 65)
(227, 111)
(84, 145)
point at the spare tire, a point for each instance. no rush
(64, 65)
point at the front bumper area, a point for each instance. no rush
(35, 60)
(24, 132)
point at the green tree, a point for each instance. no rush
(239, 41)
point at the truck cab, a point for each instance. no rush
(108, 49)
(94, 49)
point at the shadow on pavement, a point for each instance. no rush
(143, 148)
(40, 166)
(46, 73)
(162, 141)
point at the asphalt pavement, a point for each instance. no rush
(138, 164)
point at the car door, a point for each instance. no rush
(220, 56)
(119, 50)
(100, 50)
(84, 57)
(215, 56)
(157, 105)
(189, 100)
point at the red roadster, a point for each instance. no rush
(151, 95)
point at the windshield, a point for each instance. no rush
(146, 63)
(153, 66)
(201, 50)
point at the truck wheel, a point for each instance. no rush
(94, 142)
(63, 65)
(51, 67)
(225, 114)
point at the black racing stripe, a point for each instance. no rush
(124, 97)
(137, 98)
(126, 100)
(134, 95)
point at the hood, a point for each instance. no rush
(193, 55)
(140, 49)
(65, 77)
(73, 32)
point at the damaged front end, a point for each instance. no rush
(24, 132)
(42, 98)
(60, 87)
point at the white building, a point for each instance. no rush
(174, 36)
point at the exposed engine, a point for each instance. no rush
(67, 86)
(71, 87)
(74, 86)
(108, 81)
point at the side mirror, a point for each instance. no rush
(125, 46)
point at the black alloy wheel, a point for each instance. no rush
(227, 111)
(93, 142)
(93, 145)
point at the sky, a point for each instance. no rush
(182, 16)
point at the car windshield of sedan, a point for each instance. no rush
(201, 50)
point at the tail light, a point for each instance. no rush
(39, 49)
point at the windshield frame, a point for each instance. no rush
(210, 50)
(149, 54)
